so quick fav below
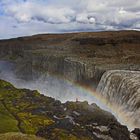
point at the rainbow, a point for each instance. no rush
(123, 116)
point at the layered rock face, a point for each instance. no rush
(121, 89)
(78, 56)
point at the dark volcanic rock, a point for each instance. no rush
(122, 132)
(136, 131)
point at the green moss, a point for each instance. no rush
(13, 57)
(18, 136)
(62, 134)
(7, 122)
(32, 123)
(16, 105)
(4, 84)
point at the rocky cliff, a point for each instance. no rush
(121, 89)
(26, 111)
(81, 57)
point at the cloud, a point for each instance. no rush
(27, 11)
(59, 16)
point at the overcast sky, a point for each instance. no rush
(27, 17)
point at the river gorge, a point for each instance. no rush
(101, 68)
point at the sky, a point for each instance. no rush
(28, 17)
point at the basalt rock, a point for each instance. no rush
(81, 57)
(136, 131)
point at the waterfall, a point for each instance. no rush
(121, 90)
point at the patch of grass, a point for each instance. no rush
(16, 107)
(7, 122)
(31, 123)
(18, 136)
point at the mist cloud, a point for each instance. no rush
(48, 85)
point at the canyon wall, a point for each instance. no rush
(80, 57)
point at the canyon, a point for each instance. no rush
(80, 57)
(107, 63)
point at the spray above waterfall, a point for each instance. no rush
(121, 90)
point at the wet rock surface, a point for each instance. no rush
(136, 131)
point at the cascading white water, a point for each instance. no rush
(121, 89)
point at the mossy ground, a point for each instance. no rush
(14, 116)
(18, 136)
(21, 111)
(7, 121)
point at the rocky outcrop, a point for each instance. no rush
(121, 89)
(136, 131)
(26, 111)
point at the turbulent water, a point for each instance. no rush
(121, 89)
